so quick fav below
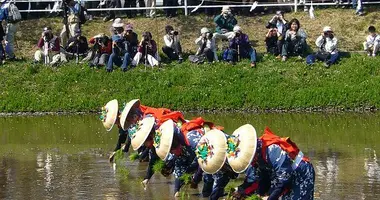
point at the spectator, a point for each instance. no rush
(358, 6)
(240, 47)
(150, 12)
(328, 48)
(147, 50)
(295, 41)
(101, 50)
(11, 26)
(172, 46)
(3, 16)
(281, 25)
(117, 27)
(73, 22)
(120, 55)
(170, 12)
(48, 46)
(225, 23)
(111, 14)
(371, 45)
(272, 41)
(132, 39)
(130, 4)
(77, 44)
(206, 49)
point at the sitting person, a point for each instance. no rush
(172, 47)
(77, 44)
(148, 50)
(49, 47)
(272, 40)
(328, 51)
(132, 39)
(371, 45)
(206, 49)
(295, 41)
(225, 23)
(117, 27)
(120, 56)
(240, 47)
(100, 51)
(280, 25)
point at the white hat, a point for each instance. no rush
(135, 103)
(211, 151)
(163, 139)
(237, 29)
(241, 148)
(204, 30)
(109, 114)
(226, 9)
(1, 1)
(327, 29)
(118, 23)
(141, 132)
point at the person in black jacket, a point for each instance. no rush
(77, 44)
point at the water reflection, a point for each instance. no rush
(65, 157)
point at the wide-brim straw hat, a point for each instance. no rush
(118, 23)
(135, 103)
(163, 139)
(211, 151)
(109, 114)
(141, 132)
(241, 147)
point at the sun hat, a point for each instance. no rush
(128, 27)
(211, 151)
(118, 23)
(131, 105)
(204, 30)
(163, 139)
(109, 114)
(241, 147)
(141, 131)
(327, 29)
(226, 9)
(237, 29)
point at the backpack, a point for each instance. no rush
(14, 14)
(82, 15)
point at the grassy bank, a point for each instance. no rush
(353, 83)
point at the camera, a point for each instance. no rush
(174, 32)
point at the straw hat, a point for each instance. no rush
(109, 114)
(118, 23)
(241, 147)
(163, 139)
(135, 103)
(327, 29)
(141, 132)
(211, 151)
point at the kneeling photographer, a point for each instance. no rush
(172, 47)
(206, 48)
(48, 47)
(147, 50)
(100, 51)
(77, 45)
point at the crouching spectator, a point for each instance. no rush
(371, 45)
(295, 41)
(206, 49)
(49, 48)
(100, 51)
(225, 23)
(132, 39)
(120, 56)
(172, 47)
(239, 47)
(328, 51)
(147, 50)
(277, 28)
(77, 45)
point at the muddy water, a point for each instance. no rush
(65, 157)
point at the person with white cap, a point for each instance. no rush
(240, 47)
(372, 43)
(117, 27)
(225, 23)
(328, 48)
(100, 51)
(206, 48)
(290, 173)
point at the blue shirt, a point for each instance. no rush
(3, 12)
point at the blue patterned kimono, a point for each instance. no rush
(284, 176)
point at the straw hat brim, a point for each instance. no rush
(143, 129)
(135, 103)
(243, 142)
(213, 143)
(163, 139)
(118, 25)
(109, 114)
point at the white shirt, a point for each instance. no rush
(331, 45)
(171, 42)
(210, 44)
(372, 40)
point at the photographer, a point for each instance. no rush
(48, 46)
(117, 27)
(206, 49)
(328, 48)
(147, 50)
(100, 51)
(172, 46)
(225, 23)
(372, 43)
(240, 47)
(295, 41)
(120, 56)
(73, 20)
(77, 44)
(272, 41)
(132, 39)
(279, 23)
